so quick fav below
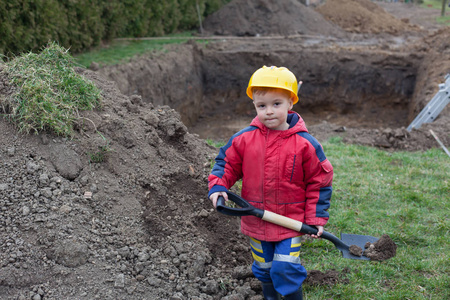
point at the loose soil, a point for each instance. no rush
(355, 250)
(138, 225)
(382, 249)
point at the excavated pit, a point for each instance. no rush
(351, 86)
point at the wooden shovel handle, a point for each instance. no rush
(288, 223)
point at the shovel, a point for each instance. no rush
(246, 209)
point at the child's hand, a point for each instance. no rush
(216, 195)
(319, 232)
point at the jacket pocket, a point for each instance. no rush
(327, 172)
(290, 170)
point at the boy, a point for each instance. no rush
(283, 170)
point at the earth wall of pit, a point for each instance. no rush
(196, 80)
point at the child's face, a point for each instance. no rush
(272, 109)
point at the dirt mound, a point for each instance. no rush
(264, 17)
(134, 225)
(363, 16)
(382, 249)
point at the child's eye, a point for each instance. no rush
(261, 106)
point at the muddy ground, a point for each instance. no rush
(138, 225)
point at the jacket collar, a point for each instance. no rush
(295, 121)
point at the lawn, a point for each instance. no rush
(437, 5)
(402, 194)
(121, 50)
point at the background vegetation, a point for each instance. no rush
(120, 51)
(27, 25)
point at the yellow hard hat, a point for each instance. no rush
(274, 77)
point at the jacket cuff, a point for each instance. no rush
(217, 188)
(316, 221)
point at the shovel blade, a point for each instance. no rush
(358, 240)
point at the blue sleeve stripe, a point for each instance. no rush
(324, 202)
(319, 151)
(217, 188)
(219, 167)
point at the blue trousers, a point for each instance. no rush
(279, 263)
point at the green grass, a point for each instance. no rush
(119, 51)
(49, 93)
(434, 4)
(402, 194)
(437, 5)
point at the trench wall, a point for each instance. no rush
(194, 79)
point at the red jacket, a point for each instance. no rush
(285, 172)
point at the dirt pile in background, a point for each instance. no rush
(265, 17)
(363, 16)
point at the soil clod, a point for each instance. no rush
(329, 277)
(382, 249)
(356, 250)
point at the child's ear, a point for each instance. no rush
(291, 103)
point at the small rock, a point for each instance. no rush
(203, 213)
(37, 297)
(84, 180)
(94, 66)
(32, 167)
(143, 256)
(43, 179)
(151, 119)
(140, 277)
(154, 281)
(71, 253)
(120, 281)
(341, 129)
(25, 210)
(242, 272)
(65, 209)
(211, 287)
(11, 151)
(136, 99)
(47, 192)
(93, 188)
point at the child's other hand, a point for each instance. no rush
(319, 232)
(216, 195)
